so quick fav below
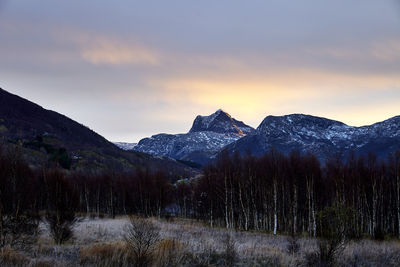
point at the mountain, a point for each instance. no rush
(323, 137)
(204, 140)
(45, 136)
(220, 122)
(125, 145)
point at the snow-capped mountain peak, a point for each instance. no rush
(204, 140)
(220, 122)
(305, 133)
(323, 137)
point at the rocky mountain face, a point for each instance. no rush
(220, 122)
(323, 137)
(45, 136)
(208, 135)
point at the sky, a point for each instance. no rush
(131, 69)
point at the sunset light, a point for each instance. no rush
(163, 66)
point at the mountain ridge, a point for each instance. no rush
(219, 122)
(206, 137)
(323, 137)
(320, 136)
(47, 137)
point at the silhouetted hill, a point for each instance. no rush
(48, 137)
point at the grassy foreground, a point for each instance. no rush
(100, 242)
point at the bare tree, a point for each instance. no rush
(141, 236)
(18, 219)
(334, 232)
(62, 205)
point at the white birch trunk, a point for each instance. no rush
(295, 210)
(398, 202)
(275, 208)
(226, 203)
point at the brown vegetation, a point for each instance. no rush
(100, 242)
(238, 213)
(105, 254)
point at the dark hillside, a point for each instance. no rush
(47, 136)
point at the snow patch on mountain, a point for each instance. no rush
(125, 145)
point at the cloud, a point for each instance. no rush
(117, 53)
(388, 51)
(100, 48)
(156, 68)
(284, 91)
(374, 54)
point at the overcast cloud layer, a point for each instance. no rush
(130, 69)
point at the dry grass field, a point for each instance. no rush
(100, 242)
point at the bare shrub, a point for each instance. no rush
(63, 201)
(61, 226)
(230, 254)
(293, 246)
(334, 231)
(18, 231)
(142, 236)
(326, 255)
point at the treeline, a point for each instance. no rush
(273, 193)
(278, 193)
(24, 190)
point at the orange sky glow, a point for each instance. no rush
(130, 70)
